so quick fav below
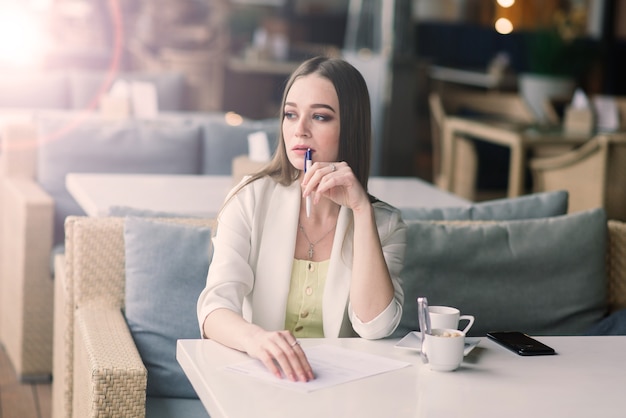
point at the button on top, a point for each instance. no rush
(311, 267)
(304, 314)
(308, 291)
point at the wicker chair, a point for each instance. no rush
(97, 368)
(594, 174)
(451, 102)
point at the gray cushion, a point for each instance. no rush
(94, 145)
(540, 276)
(166, 269)
(39, 90)
(85, 87)
(223, 142)
(538, 205)
(174, 408)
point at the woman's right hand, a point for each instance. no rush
(280, 351)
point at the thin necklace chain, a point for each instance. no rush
(312, 244)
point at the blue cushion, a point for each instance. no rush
(538, 205)
(614, 324)
(85, 86)
(39, 90)
(95, 145)
(222, 142)
(166, 269)
(174, 408)
(540, 276)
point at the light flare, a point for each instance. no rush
(22, 40)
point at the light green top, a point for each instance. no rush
(304, 303)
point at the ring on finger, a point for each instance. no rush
(293, 344)
(333, 167)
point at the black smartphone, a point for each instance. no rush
(520, 343)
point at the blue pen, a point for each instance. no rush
(308, 161)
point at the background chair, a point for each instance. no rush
(593, 174)
(451, 102)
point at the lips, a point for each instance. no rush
(302, 148)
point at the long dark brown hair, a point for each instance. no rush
(355, 121)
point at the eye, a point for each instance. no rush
(322, 118)
(290, 115)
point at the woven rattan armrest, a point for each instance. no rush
(616, 265)
(109, 376)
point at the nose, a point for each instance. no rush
(302, 128)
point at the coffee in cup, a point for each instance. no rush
(444, 349)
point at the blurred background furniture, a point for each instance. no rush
(448, 103)
(38, 152)
(594, 174)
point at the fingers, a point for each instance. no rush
(318, 177)
(335, 181)
(282, 355)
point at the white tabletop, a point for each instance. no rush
(181, 194)
(203, 195)
(585, 379)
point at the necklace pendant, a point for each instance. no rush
(310, 251)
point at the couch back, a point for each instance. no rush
(95, 256)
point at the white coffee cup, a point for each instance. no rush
(447, 317)
(444, 349)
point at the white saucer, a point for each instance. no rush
(413, 341)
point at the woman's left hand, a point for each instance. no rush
(335, 181)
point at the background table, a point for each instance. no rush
(585, 379)
(204, 195)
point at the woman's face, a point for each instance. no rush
(311, 120)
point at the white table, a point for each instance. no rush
(204, 195)
(180, 194)
(585, 379)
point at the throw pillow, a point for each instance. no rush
(166, 269)
(537, 205)
(539, 276)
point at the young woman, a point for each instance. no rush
(278, 274)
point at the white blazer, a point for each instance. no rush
(254, 248)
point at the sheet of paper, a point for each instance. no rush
(331, 365)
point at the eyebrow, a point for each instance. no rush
(314, 106)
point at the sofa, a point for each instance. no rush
(523, 264)
(38, 150)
